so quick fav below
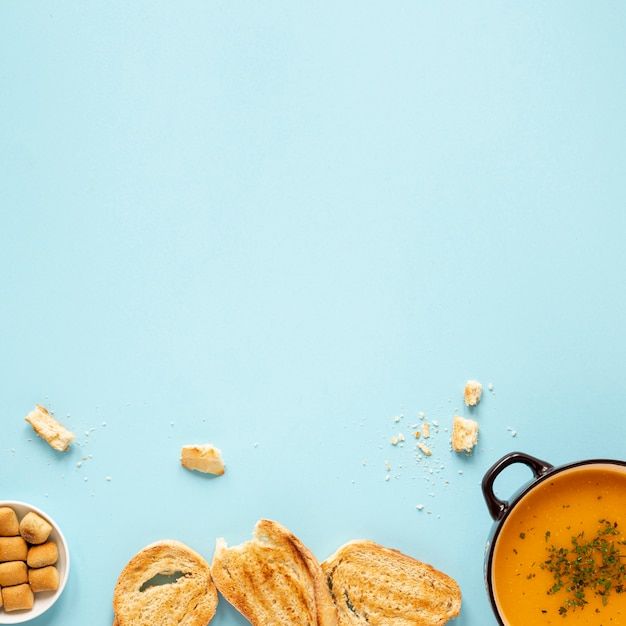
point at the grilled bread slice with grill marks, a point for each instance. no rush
(377, 586)
(273, 579)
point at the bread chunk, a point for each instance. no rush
(9, 524)
(13, 549)
(464, 434)
(204, 458)
(42, 555)
(273, 579)
(49, 429)
(18, 598)
(34, 528)
(167, 583)
(380, 586)
(472, 392)
(43, 578)
(13, 573)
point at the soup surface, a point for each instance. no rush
(559, 554)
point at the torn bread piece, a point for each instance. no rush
(375, 585)
(205, 458)
(273, 579)
(165, 583)
(464, 434)
(57, 436)
(472, 392)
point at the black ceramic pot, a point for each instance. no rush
(500, 509)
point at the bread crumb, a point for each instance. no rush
(464, 434)
(473, 391)
(426, 430)
(424, 448)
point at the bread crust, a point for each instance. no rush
(190, 599)
(273, 579)
(377, 586)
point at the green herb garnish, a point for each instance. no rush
(593, 567)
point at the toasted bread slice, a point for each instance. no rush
(165, 584)
(377, 586)
(273, 579)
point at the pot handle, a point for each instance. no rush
(498, 508)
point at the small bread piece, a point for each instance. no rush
(13, 573)
(273, 579)
(472, 392)
(9, 524)
(43, 554)
(464, 434)
(49, 429)
(43, 578)
(187, 596)
(381, 586)
(18, 598)
(13, 549)
(34, 528)
(205, 458)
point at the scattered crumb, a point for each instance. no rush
(425, 430)
(473, 391)
(424, 448)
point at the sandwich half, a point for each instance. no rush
(377, 586)
(273, 579)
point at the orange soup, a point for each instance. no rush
(558, 557)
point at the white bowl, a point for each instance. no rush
(43, 599)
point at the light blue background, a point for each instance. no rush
(276, 227)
